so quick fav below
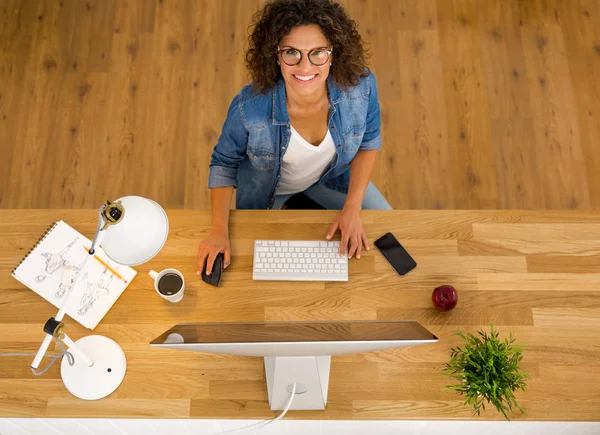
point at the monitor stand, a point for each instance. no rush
(311, 375)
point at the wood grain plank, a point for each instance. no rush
(581, 410)
(130, 18)
(173, 384)
(538, 232)
(563, 264)
(16, 37)
(582, 45)
(504, 62)
(536, 281)
(510, 109)
(517, 172)
(409, 409)
(238, 390)
(123, 408)
(409, 388)
(550, 248)
(232, 408)
(101, 27)
(561, 318)
(502, 315)
(474, 182)
(431, 370)
(334, 313)
(41, 78)
(395, 295)
(571, 372)
(423, 161)
(555, 117)
(463, 265)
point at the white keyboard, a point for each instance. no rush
(299, 260)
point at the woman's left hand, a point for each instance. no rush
(353, 235)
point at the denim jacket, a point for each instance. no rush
(256, 135)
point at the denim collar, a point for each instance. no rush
(280, 112)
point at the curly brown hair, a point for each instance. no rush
(279, 17)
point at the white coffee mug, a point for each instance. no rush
(167, 286)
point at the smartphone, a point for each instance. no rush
(395, 254)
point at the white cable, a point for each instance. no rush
(262, 424)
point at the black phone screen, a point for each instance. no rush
(395, 254)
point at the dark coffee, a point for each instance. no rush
(169, 284)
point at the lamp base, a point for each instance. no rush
(101, 379)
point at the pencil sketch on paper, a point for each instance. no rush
(59, 265)
(54, 262)
(95, 291)
(70, 273)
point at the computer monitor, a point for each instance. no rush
(295, 352)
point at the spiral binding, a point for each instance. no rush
(40, 240)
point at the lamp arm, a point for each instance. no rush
(71, 292)
(98, 234)
(74, 349)
(42, 351)
(54, 322)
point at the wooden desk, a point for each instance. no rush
(536, 274)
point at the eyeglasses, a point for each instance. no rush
(293, 56)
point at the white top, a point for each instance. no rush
(303, 164)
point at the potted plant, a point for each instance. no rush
(488, 371)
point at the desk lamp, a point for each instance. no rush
(131, 230)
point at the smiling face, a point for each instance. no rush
(304, 78)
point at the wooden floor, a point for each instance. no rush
(485, 103)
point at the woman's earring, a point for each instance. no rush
(278, 63)
(330, 63)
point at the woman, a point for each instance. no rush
(309, 122)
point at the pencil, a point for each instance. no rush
(114, 272)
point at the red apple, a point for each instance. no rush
(444, 297)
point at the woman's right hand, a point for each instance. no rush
(216, 242)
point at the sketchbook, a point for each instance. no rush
(55, 264)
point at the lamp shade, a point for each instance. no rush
(141, 233)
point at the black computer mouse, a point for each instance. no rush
(215, 277)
